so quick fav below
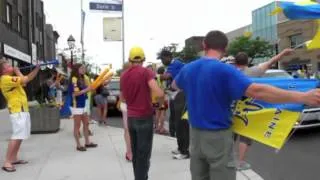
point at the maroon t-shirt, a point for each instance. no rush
(136, 92)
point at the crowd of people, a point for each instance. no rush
(199, 96)
(200, 107)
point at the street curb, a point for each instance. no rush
(251, 175)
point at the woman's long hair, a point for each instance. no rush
(75, 73)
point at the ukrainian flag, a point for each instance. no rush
(300, 10)
(304, 10)
(267, 123)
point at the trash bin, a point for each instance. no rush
(44, 119)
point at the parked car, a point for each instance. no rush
(114, 93)
(310, 116)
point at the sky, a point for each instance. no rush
(150, 24)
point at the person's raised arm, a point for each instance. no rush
(29, 77)
(267, 65)
(276, 95)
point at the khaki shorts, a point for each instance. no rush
(211, 151)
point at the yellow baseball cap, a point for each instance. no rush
(136, 54)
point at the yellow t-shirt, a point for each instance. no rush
(161, 85)
(87, 81)
(185, 116)
(14, 93)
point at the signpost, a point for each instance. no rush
(112, 6)
(105, 6)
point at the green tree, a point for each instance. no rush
(172, 48)
(187, 54)
(254, 47)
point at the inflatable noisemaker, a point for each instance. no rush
(98, 81)
(108, 76)
(48, 63)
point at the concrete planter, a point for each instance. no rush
(44, 119)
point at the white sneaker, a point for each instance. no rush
(175, 152)
(180, 156)
(93, 122)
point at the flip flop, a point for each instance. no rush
(9, 169)
(91, 145)
(20, 162)
(81, 148)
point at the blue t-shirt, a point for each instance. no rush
(174, 68)
(211, 87)
(77, 101)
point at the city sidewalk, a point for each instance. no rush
(53, 157)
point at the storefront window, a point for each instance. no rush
(296, 40)
(8, 14)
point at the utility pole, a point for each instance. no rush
(82, 31)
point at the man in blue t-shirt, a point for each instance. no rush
(177, 103)
(210, 87)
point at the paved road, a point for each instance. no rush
(298, 160)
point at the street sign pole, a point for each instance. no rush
(123, 35)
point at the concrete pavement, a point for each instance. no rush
(53, 157)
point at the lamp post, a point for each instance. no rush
(71, 43)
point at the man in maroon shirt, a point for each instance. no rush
(136, 84)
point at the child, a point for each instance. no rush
(12, 82)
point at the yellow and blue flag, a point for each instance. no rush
(303, 10)
(270, 124)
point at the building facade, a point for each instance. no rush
(263, 26)
(293, 34)
(232, 35)
(22, 27)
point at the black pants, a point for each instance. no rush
(141, 135)
(179, 107)
(184, 137)
(172, 124)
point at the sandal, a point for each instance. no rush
(91, 145)
(9, 169)
(81, 148)
(20, 162)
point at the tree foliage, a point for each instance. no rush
(254, 47)
(187, 54)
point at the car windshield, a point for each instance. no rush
(280, 74)
(114, 85)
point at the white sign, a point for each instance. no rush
(112, 27)
(10, 51)
(34, 54)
